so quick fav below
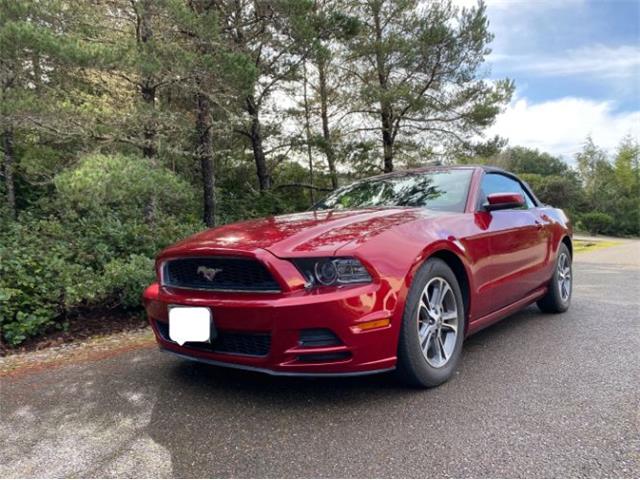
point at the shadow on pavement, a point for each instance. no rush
(225, 422)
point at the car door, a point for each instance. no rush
(517, 247)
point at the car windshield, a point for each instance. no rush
(437, 190)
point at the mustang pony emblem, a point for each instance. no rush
(208, 273)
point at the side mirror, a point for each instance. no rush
(502, 201)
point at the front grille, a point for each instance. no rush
(254, 344)
(219, 274)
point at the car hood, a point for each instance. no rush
(302, 234)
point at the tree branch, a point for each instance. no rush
(304, 185)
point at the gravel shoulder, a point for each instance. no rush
(86, 350)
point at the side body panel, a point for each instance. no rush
(516, 251)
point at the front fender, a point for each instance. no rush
(397, 254)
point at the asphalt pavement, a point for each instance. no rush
(535, 396)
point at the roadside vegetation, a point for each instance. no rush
(128, 124)
(582, 246)
(600, 193)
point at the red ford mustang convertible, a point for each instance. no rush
(391, 272)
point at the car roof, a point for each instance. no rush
(435, 168)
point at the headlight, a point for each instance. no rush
(326, 272)
(332, 271)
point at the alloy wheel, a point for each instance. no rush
(564, 276)
(437, 322)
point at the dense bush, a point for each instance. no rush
(596, 222)
(123, 279)
(560, 191)
(93, 240)
(35, 275)
(123, 184)
(91, 247)
(239, 200)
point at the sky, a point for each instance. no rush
(576, 66)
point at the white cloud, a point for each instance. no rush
(534, 25)
(560, 126)
(520, 5)
(620, 62)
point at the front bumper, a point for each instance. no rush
(276, 373)
(281, 318)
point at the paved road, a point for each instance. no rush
(536, 395)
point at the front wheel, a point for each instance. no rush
(432, 327)
(558, 296)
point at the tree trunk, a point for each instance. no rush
(264, 179)
(205, 154)
(9, 159)
(387, 139)
(386, 112)
(149, 149)
(147, 85)
(37, 71)
(326, 134)
(148, 93)
(307, 128)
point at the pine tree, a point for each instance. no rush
(275, 36)
(418, 65)
(42, 45)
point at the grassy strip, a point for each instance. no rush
(581, 246)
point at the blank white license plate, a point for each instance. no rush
(190, 324)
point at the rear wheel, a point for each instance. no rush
(432, 327)
(558, 297)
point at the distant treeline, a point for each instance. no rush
(600, 193)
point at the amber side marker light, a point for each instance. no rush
(361, 327)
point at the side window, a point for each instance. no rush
(498, 183)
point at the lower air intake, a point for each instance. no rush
(251, 344)
(318, 337)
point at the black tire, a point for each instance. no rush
(413, 367)
(554, 300)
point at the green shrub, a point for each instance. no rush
(124, 184)
(123, 280)
(596, 222)
(92, 248)
(34, 273)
